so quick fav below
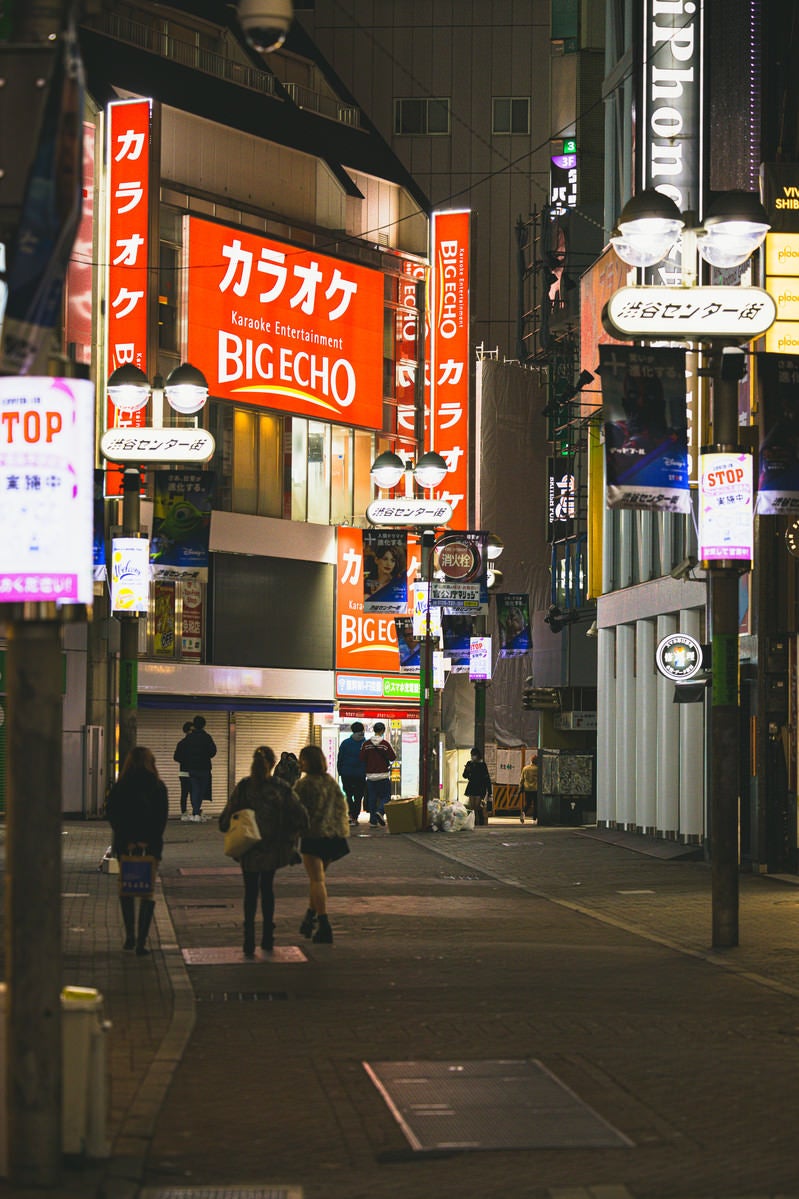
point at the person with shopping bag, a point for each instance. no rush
(137, 810)
(281, 820)
(478, 786)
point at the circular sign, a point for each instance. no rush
(792, 538)
(679, 657)
(458, 559)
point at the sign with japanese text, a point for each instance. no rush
(164, 614)
(679, 657)
(191, 641)
(646, 440)
(561, 498)
(409, 510)
(690, 313)
(272, 324)
(408, 341)
(130, 574)
(47, 485)
(782, 283)
(480, 659)
(562, 182)
(139, 446)
(385, 577)
(376, 686)
(181, 522)
(364, 641)
(513, 618)
(128, 187)
(778, 468)
(725, 507)
(450, 355)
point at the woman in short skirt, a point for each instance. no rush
(326, 839)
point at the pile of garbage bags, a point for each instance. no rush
(449, 816)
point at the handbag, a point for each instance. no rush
(242, 834)
(137, 871)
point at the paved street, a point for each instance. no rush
(553, 950)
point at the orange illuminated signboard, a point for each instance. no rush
(283, 327)
(129, 140)
(364, 641)
(450, 358)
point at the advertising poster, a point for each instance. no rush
(646, 436)
(513, 617)
(725, 507)
(98, 540)
(191, 642)
(385, 571)
(281, 326)
(457, 632)
(181, 521)
(408, 644)
(778, 464)
(480, 659)
(47, 488)
(164, 606)
(130, 574)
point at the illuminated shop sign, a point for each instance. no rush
(672, 99)
(725, 507)
(128, 187)
(286, 328)
(449, 354)
(782, 284)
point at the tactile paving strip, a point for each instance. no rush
(445, 1105)
(228, 955)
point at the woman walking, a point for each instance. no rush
(137, 811)
(326, 839)
(478, 786)
(281, 819)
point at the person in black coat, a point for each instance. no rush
(183, 772)
(198, 749)
(478, 786)
(137, 811)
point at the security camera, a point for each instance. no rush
(683, 569)
(265, 23)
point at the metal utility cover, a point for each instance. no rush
(278, 1192)
(228, 955)
(488, 1105)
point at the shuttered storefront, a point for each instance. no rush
(288, 731)
(161, 730)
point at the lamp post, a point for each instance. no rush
(186, 391)
(494, 547)
(387, 471)
(735, 226)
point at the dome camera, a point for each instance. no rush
(265, 23)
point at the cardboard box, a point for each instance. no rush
(404, 815)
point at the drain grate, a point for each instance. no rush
(228, 955)
(443, 1105)
(279, 1192)
(241, 996)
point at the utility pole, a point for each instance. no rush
(129, 632)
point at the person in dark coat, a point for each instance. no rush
(183, 772)
(281, 821)
(478, 786)
(199, 748)
(352, 771)
(137, 810)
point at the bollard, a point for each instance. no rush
(84, 1073)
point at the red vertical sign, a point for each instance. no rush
(128, 184)
(449, 356)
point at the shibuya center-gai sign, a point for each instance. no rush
(689, 313)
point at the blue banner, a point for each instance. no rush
(385, 571)
(778, 470)
(513, 616)
(181, 522)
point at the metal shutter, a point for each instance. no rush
(161, 730)
(281, 730)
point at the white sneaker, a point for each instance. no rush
(185, 817)
(195, 819)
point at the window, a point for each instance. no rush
(511, 115)
(421, 116)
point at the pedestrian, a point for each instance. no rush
(288, 768)
(281, 820)
(351, 769)
(199, 749)
(137, 810)
(478, 786)
(528, 785)
(377, 754)
(326, 839)
(183, 772)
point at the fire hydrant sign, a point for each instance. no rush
(725, 507)
(47, 485)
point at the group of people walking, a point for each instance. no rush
(364, 767)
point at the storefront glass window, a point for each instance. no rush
(318, 506)
(341, 475)
(299, 468)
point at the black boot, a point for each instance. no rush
(306, 928)
(249, 938)
(126, 902)
(146, 909)
(324, 933)
(268, 938)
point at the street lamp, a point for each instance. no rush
(734, 227)
(494, 547)
(129, 389)
(387, 471)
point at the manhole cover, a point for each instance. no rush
(443, 1105)
(227, 955)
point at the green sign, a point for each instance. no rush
(725, 670)
(128, 682)
(401, 688)
(569, 145)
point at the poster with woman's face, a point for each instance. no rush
(385, 571)
(513, 617)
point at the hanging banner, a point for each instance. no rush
(385, 575)
(98, 540)
(47, 484)
(513, 617)
(181, 523)
(284, 327)
(191, 641)
(409, 646)
(725, 507)
(562, 498)
(130, 574)
(646, 438)
(365, 641)
(480, 659)
(457, 632)
(778, 466)
(164, 610)
(128, 189)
